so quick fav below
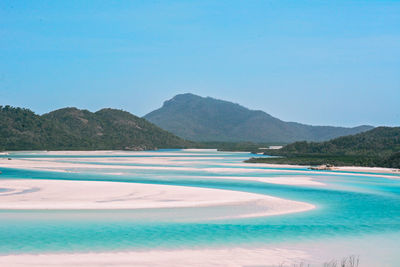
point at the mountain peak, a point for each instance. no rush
(183, 98)
(208, 119)
(186, 96)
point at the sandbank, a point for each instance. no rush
(83, 195)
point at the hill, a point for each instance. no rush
(378, 147)
(71, 128)
(378, 141)
(207, 119)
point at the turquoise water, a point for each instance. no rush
(349, 206)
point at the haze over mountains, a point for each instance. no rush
(207, 119)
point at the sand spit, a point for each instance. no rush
(283, 180)
(84, 195)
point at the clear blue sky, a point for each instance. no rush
(316, 62)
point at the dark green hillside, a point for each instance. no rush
(71, 128)
(21, 129)
(393, 161)
(206, 119)
(377, 147)
(378, 141)
(121, 127)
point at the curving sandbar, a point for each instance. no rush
(84, 195)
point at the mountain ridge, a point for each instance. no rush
(208, 119)
(76, 129)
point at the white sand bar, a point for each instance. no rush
(67, 165)
(233, 257)
(59, 194)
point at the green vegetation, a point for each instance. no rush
(379, 147)
(74, 129)
(205, 119)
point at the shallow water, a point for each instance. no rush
(348, 207)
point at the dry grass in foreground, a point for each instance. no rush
(350, 261)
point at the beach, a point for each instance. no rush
(234, 257)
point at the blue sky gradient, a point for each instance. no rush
(315, 62)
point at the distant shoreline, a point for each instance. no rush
(376, 171)
(350, 169)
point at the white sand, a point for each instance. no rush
(59, 194)
(345, 170)
(64, 165)
(118, 152)
(234, 257)
(294, 180)
(180, 155)
(367, 169)
(284, 180)
(58, 164)
(338, 168)
(51, 164)
(141, 160)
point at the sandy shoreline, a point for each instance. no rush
(165, 160)
(367, 169)
(371, 171)
(221, 257)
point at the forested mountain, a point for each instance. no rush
(207, 119)
(71, 128)
(378, 141)
(377, 147)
